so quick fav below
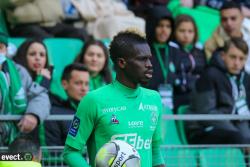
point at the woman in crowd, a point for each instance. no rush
(33, 55)
(95, 56)
(193, 64)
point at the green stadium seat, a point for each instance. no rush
(3, 25)
(180, 124)
(176, 157)
(205, 27)
(221, 157)
(179, 157)
(62, 52)
(169, 131)
(16, 41)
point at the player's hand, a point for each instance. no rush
(27, 123)
(187, 3)
(45, 72)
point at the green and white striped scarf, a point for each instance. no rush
(13, 95)
(13, 98)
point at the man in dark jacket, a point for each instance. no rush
(75, 81)
(222, 89)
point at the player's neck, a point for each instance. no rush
(126, 82)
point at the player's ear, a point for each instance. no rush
(121, 62)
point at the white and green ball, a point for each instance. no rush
(117, 153)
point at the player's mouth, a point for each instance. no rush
(149, 74)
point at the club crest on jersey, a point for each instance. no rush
(74, 126)
(114, 120)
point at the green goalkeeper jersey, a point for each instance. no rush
(118, 112)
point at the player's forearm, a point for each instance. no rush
(157, 158)
(73, 157)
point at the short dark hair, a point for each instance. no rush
(105, 72)
(230, 5)
(239, 43)
(69, 68)
(123, 43)
(186, 18)
(25, 144)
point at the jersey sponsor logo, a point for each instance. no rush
(74, 126)
(114, 109)
(114, 120)
(135, 124)
(154, 120)
(144, 107)
(137, 141)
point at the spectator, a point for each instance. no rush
(19, 96)
(222, 89)
(95, 56)
(217, 4)
(75, 81)
(159, 31)
(231, 26)
(171, 65)
(185, 38)
(42, 19)
(33, 55)
(24, 144)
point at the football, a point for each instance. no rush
(117, 153)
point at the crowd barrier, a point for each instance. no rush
(175, 155)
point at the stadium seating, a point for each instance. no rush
(177, 157)
(180, 124)
(61, 51)
(3, 25)
(205, 27)
(221, 157)
(16, 41)
(169, 130)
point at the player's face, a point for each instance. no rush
(138, 67)
(234, 60)
(78, 85)
(231, 20)
(94, 59)
(163, 31)
(185, 33)
(36, 57)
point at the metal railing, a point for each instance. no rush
(201, 117)
(231, 155)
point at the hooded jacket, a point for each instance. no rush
(213, 95)
(176, 62)
(155, 15)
